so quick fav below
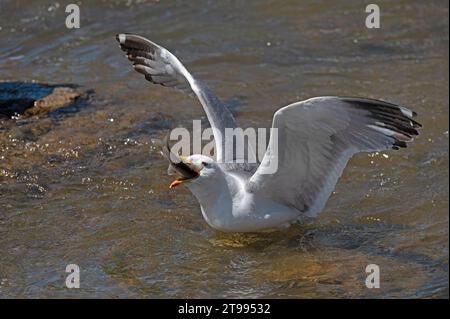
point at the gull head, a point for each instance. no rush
(192, 169)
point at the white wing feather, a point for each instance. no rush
(317, 137)
(159, 66)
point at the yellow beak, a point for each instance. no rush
(176, 182)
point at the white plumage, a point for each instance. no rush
(315, 140)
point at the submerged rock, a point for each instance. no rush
(29, 99)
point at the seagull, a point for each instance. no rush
(316, 139)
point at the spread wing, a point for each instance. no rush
(317, 137)
(159, 66)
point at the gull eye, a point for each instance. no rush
(205, 164)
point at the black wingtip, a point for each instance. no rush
(399, 144)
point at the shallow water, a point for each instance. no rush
(86, 187)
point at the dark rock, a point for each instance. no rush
(29, 99)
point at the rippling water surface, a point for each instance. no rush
(87, 188)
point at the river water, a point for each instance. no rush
(88, 188)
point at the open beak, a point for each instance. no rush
(179, 164)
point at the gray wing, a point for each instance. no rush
(159, 66)
(317, 137)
